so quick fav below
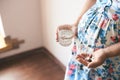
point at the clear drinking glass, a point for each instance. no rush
(65, 35)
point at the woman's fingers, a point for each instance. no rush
(80, 56)
(83, 61)
(57, 40)
(75, 31)
(65, 27)
(94, 64)
(84, 58)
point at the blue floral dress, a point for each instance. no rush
(98, 28)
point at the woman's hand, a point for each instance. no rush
(98, 57)
(75, 31)
(66, 27)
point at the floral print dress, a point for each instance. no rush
(98, 28)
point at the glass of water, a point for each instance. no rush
(65, 35)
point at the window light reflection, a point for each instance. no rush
(2, 35)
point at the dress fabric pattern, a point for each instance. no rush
(98, 28)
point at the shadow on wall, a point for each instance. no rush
(6, 42)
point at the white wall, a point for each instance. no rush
(21, 19)
(55, 13)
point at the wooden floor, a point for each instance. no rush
(35, 65)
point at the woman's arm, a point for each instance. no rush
(99, 56)
(102, 54)
(87, 4)
(113, 50)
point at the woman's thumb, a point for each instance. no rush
(92, 65)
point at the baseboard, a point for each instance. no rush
(53, 58)
(18, 55)
(29, 52)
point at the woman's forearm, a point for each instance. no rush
(113, 50)
(87, 5)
